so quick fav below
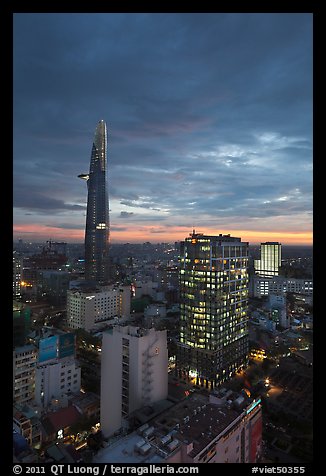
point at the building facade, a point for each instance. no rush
(85, 309)
(57, 378)
(57, 372)
(278, 284)
(270, 259)
(21, 323)
(53, 285)
(213, 308)
(24, 364)
(97, 217)
(134, 373)
(27, 424)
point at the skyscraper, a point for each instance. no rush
(270, 259)
(97, 218)
(213, 308)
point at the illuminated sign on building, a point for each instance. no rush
(254, 404)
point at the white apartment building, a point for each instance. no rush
(134, 373)
(148, 288)
(264, 286)
(87, 308)
(56, 378)
(24, 363)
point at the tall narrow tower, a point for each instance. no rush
(97, 218)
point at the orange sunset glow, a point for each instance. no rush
(140, 234)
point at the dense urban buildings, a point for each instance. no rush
(97, 217)
(164, 357)
(213, 308)
(280, 331)
(134, 365)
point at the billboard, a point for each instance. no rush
(256, 439)
(66, 345)
(48, 349)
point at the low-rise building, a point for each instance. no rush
(263, 286)
(26, 422)
(57, 371)
(88, 404)
(223, 428)
(56, 425)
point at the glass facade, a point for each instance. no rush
(213, 279)
(270, 259)
(97, 217)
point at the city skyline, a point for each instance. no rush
(209, 121)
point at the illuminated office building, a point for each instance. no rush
(270, 259)
(97, 217)
(213, 308)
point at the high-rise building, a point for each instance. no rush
(97, 217)
(270, 259)
(213, 308)
(134, 373)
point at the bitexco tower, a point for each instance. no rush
(97, 218)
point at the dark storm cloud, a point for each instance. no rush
(208, 114)
(68, 226)
(41, 203)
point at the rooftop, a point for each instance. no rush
(25, 348)
(52, 422)
(196, 419)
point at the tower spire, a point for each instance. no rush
(97, 232)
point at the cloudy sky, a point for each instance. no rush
(209, 119)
